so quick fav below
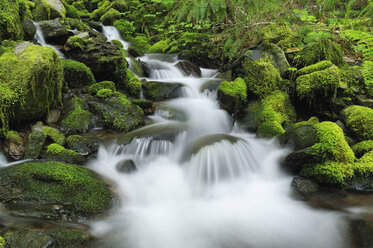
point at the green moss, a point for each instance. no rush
(56, 152)
(104, 93)
(276, 32)
(362, 147)
(311, 121)
(10, 21)
(76, 42)
(57, 183)
(78, 119)
(140, 44)
(329, 172)
(359, 120)
(125, 28)
(322, 65)
(2, 242)
(159, 47)
(79, 5)
(233, 94)
(318, 85)
(72, 12)
(94, 88)
(54, 135)
(364, 166)
(31, 81)
(110, 17)
(332, 145)
(269, 129)
(136, 67)
(48, 9)
(261, 77)
(76, 24)
(76, 74)
(101, 10)
(134, 86)
(13, 136)
(322, 49)
(34, 145)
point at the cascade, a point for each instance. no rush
(39, 37)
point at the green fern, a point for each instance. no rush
(364, 42)
(367, 71)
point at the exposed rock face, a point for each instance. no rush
(54, 32)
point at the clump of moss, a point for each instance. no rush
(13, 136)
(94, 88)
(47, 10)
(56, 152)
(125, 28)
(319, 66)
(276, 32)
(269, 129)
(31, 81)
(134, 84)
(104, 93)
(76, 42)
(362, 147)
(103, 6)
(34, 145)
(322, 49)
(160, 47)
(10, 21)
(232, 95)
(359, 121)
(110, 17)
(330, 172)
(140, 44)
(318, 85)
(82, 145)
(78, 119)
(364, 166)
(49, 183)
(261, 77)
(54, 135)
(311, 121)
(76, 74)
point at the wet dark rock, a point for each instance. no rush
(146, 68)
(361, 184)
(76, 118)
(82, 145)
(302, 188)
(300, 137)
(126, 166)
(362, 233)
(159, 91)
(147, 106)
(295, 161)
(29, 29)
(54, 32)
(189, 69)
(53, 116)
(34, 145)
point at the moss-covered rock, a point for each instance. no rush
(82, 145)
(94, 88)
(134, 84)
(140, 44)
(159, 47)
(54, 32)
(110, 17)
(103, 6)
(117, 112)
(49, 9)
(34, 145)
(10, 20)
(319, 66)
(105, 60)
(29, 237)
(147, 106)
(78, 119)
(359, 121)
(322, 49)
(125, 28)
(318, 85)
(269, 129)
(261, 76)
(76, 74)
(276, 32)
(364, 166)
(59, 153)
(53, 190)
(158, 91)
(232, 95)
(30, 83)
(54, 135)
(29, 29)
(362, 147)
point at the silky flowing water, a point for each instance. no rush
(202, 182)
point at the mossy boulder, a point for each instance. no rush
(54, 135)
(103, 6)
(117, 112)
(359, 121)
(269, 129)
(159, 91)
(134, 84)
(34, 145)
(35, 237)
(276, 32)
(105, 60)
(261, 76)
(53, 190)
(10, 20)
(323, 155)
(94, 88)
(48, 9)
(139, 45)
(319, 85)
(232, 95)
(160, 47)
(363, 170)
(76, 74)
(322, 49)
(319, 66)
(110, 17)
(82, 145)
(59, 153)
(31, 79)
(77, 118)
(29, 29)
(54, 32)
(125, 28)
(362, 147)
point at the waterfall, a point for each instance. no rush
(205, 185)
(112, 33)
(3, 160)
(39, 37)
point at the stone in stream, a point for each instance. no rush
(14, 145)
(303, 188)
(159, 91)
(34, 145)
(126, 166)
(82, 145)
(53, 191)
(29, 29)
(76, 118)
(54, 32)
(188, 68)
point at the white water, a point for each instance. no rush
(112, 33)
(211, 186)
(3, 160)
(39, 37)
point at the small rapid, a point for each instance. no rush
(202, 182)
(39, 37)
